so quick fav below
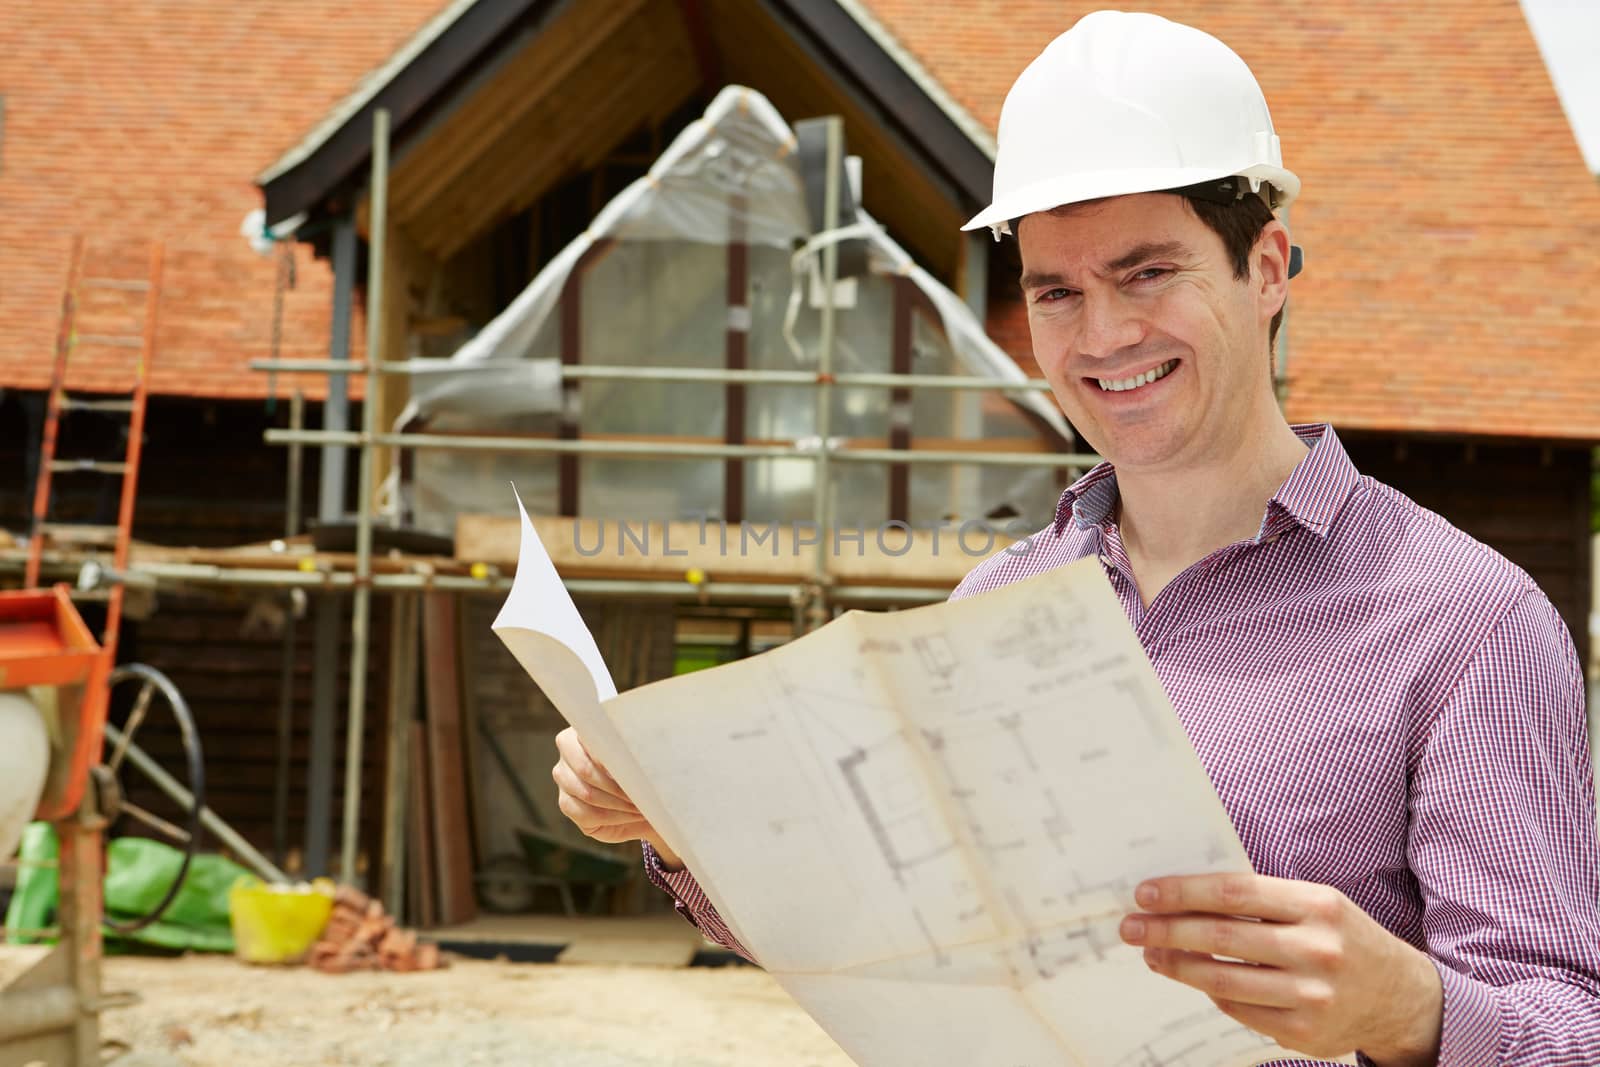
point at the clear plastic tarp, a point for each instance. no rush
(648, 282)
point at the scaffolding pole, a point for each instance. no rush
(662, 450)
(361, 610)
(150, 575)
(816, 608)
(286, 656)
(704, 375)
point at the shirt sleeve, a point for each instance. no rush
(690, 901)
(1502, 843)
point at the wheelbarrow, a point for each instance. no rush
(507, 883)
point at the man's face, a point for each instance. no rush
(1136, 289)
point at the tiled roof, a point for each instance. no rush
(128, 122)
(1452, 231)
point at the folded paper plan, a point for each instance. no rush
(925, 824)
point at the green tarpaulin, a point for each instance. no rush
(138, 872)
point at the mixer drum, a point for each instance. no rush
(24, 762)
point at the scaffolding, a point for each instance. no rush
(813, 600)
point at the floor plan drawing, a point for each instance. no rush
(927, 824)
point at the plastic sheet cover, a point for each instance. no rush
(651, 274)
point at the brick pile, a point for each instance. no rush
(360, 936)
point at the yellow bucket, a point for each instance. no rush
(277, 923)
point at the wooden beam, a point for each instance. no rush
(397, 777)
(736, 340)
(693, 13)
(568, 483)
(452, 837)
(421, 885)
(526, 83)
(752, 552)
(900, 399)
(637, 83)
(532, 153)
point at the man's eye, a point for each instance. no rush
(1151, 273)
(1051, 296)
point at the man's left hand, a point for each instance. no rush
(1316, 973)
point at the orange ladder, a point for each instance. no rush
(61, 403)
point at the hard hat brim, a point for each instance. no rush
(1101, 185)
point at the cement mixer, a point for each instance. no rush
(56, 683)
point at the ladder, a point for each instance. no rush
(60, 403)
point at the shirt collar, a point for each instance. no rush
(1310, 497)
(1318, 486)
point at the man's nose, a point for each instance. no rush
(1110, 324)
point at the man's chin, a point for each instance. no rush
(1154, 448)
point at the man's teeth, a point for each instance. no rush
(1117, 385)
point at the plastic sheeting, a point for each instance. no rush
(651, 279)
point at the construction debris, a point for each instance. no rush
(361, 937)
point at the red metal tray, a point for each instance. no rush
(43, 640)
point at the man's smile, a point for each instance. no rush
(1136, 382)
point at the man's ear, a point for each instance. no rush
(1269, 268)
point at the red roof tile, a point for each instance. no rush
(128, 122)
(1452, 231)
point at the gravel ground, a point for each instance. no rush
(202, 1011)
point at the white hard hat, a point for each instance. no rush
(1132, 103)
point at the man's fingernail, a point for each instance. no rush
(1132, 929)
(1147, 895)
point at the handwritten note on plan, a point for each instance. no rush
(926, 825)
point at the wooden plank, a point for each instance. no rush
(402, 713)
(469, 643)
(255, 557)
(420, 881)
(674, 950)
(452, 830)
(18, 960)
(753, 552)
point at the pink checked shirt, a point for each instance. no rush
(1386, 706)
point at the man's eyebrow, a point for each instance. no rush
(1149, 250)
(1139, 253)
(1037, 279)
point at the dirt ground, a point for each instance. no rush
(207, 1011)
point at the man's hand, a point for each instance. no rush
(1318, 975)
(594, 801)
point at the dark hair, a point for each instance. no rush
(1239, 223)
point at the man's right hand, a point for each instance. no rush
(596, 804)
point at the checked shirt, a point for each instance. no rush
(1386, 706)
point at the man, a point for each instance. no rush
(1392, 714)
